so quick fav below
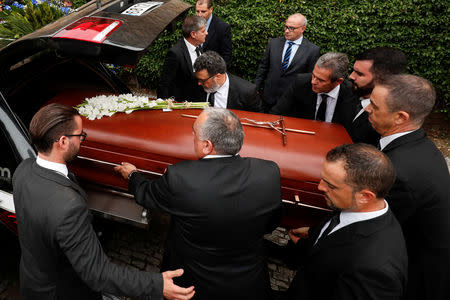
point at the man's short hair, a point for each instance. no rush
(50, 123)
(192, 23)
(385, 61)
(365, 166)
(336, 62)
(299, 15)
(224, 129)
(209, 3)
(412, 94)
(212, 62)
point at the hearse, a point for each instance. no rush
(66, 62)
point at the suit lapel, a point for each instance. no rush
(211, 31)
(232, 93)
(58, 178)
(352, 233)
(297, 57)
(187, 57)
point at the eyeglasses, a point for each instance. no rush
(291, 28)
(82, 136)
(202, 81)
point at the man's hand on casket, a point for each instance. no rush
(173, 291)
(125, 169)
(298, 233)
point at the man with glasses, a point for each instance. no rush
(223, 89)
(285, 57)
(61, 255)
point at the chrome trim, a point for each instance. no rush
(114, 165)
(305, 205)
(7, 202)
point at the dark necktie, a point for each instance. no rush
(211, 99)
(334, 221)
(287, 55)
(198, 50)
(320, 116)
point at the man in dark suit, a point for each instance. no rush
(358, 253)
(219, 32)
(177, 76)
(224, 89)
(323, 95)
(419, 197)
(61, 255)
(285, 57)
(221, 206)
(371, 65)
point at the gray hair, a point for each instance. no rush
(412, 94)
(365, 167)
(212, 62)
(224, 129)
(336, 62)
(192, 23)
(299, 15)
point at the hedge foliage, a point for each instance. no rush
(418, 27)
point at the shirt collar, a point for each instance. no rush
(334, 93)
(217, 156)
(191, 48)
(349, 217)
(208, 22)
(384, 141)
(297, 41)
(57, 167)
(365, 102)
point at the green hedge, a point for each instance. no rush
(418, 27)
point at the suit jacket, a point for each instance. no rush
(61, 255)
(361, 131)
(300, 101)
(242, 95)
(270, 72)
(220, 209)
(219, 39)
(420, 200)
(178, 78)
(364, 260)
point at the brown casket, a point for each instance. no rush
(153, 139)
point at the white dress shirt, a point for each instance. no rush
(364, 104)
(57, 167)
(348, 217)
(294, 49)
(221, 95)
(192, 53)
(331, 103)
(384, 141)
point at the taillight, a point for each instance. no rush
(9, 219)
(91, 29)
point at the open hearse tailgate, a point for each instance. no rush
(153, 139)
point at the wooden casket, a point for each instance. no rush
(153, 140)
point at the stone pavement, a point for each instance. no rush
(142, 249)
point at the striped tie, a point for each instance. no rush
(287, 55)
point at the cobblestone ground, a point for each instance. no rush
(142, 249)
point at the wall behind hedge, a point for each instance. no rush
(418, 27)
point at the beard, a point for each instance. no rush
(215, 86)
(71, 153)
(364, 90)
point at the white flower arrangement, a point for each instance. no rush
(99, 106)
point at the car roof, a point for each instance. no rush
(124, 46)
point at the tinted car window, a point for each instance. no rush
(14, 148)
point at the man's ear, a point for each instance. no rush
(339, 81)
(364, 197)
(208, 147)
(401, 117)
